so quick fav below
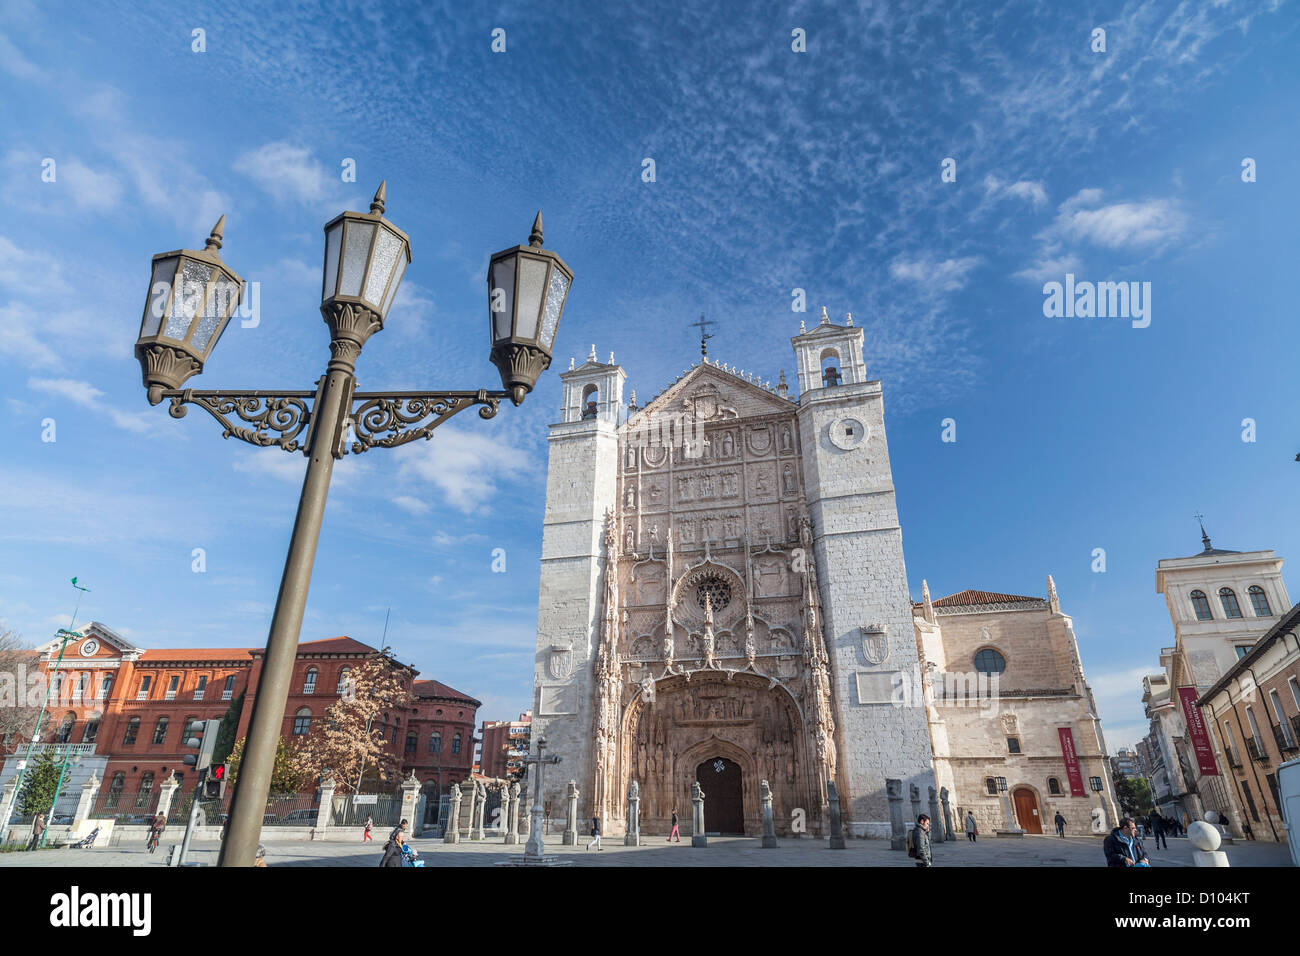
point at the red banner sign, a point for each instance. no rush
(1196, 733)
(1071, 762)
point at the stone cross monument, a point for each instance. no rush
(534, 848)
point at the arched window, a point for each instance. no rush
(1053, 786)
(455, 744)
(411, 741)
(132, 729)
(65, 728)
(146, 790)
(1201, 604)
(590, 401)
(989, 661)
(309, 685)
(830, 362)
(91, 732)
(115, 790)
(106, 687)
(160, 731)
(1228, 598)
(992, 785)
(302, 722)
(1259, 601)
(345, 679)
(435, 743)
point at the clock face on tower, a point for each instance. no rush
(89, 647)
(847, 433)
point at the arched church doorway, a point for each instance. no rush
(724, 808)
(1026, 810)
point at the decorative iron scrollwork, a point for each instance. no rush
(283, 413)
(389, 419)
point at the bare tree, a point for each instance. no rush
(19, 666)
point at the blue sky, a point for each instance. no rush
(775, 170)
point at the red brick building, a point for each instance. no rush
(124, 709)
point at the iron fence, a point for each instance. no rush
(128, 807)
(385, 809)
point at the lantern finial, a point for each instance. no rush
(381, 197)
(535, 237)
(217, 234)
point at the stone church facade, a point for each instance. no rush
(724, 600)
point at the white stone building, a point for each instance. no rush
(723, 598)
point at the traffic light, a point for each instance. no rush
(214, 787)
(201, 735)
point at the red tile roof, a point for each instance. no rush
(962, 598)
(198, 654)
(336, 645)
(433, 688)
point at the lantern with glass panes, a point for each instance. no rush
(192, 296)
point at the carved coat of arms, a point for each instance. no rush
(875, 643)
(560, 664)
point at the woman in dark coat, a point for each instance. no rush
(156, 831)
(393, 851)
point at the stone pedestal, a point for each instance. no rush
(166, 793)
(914, 793)
(326, 803)
(769, 828)
(512, 815)
(535, 848)
(633, 835)
(85, 803)
(833, 801)
(897, 827)
(947, 813)
(480, 807)
(697, 816)
(936, 822)
(465, 819)
(570, 837)
(410, 801)
(451, 828)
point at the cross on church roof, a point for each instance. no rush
(703, 326)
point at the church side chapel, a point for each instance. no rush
(723, 599)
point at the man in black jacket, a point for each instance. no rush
(1122, 847)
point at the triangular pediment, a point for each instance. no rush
(111, 643)
(710, 393)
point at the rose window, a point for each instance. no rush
(716, 590)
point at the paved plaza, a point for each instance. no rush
(721, 851)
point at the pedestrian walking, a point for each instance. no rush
(393, 849)
(38, 830)
(1122, 847)
(595, 834)
(972, 830)
(156, 831)
(400, 828)
(261, 856)
(1060, 825)
(675, 831)
(918, 843)
(1157, 826)
(366, 837)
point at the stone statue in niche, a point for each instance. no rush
(785, 438)
(729, 485)
(687, 532)
(629, 541)
(787, 480)
(706, 486)
(792, 524)
(728, 446)
(629, 499)
(656, 492)
(631, 456)
(683, 487)
(760, 481)
(654, 533)
(764, 529)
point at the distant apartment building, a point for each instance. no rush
(505, 744)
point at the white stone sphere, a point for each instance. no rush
(1212, 817)
(1203, 836)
